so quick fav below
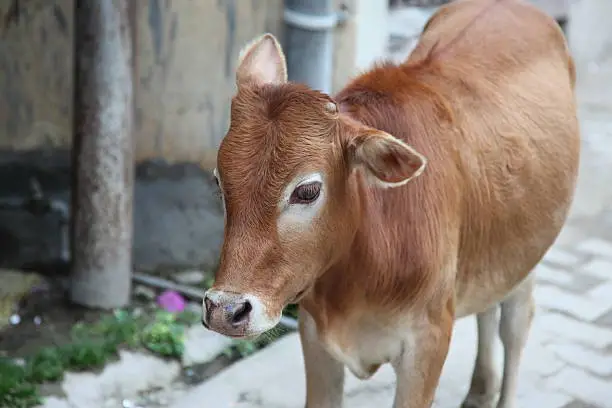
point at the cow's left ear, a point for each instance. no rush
(386, 160)
(262, 61)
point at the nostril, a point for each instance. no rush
(208, 303)
(241, 313)
(209, 307)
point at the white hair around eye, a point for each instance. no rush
(301, 201)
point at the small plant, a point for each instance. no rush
(244, 348)
(87, 354)
(120, 328)
(188, 317)
(165, 335)
(291, 310)
(15, 389)
(94, 344)
(46, 365)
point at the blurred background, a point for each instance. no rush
(108, 241)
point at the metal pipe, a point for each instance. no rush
(309, 41)
(61, 208)
(58, 207)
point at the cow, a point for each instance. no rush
(419, 194)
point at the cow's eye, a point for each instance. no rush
(305, 193)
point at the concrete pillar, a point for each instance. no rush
(103, 153)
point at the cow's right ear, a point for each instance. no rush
(262, 61)
(386, 160)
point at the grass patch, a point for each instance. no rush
(244, 348)
(165, 335)
(16, 391)
(91, 347)
(291, 311)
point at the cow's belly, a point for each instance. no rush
(475, 299)
(512, 216)
(495, 270)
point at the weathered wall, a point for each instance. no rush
(178, 221)
(36, 74)
(185, 52)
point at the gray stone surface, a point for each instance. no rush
(178, 222)
(189, 277)
(202, 345)
(125, 379)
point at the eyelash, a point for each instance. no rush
(294, 199)
(218, 193)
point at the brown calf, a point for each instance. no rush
(420, 194)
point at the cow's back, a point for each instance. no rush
(504, 68)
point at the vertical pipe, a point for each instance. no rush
(309, 42)
(102, 169)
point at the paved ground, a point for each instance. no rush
(568, 359)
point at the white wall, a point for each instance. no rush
(590, 32)
(371, 33)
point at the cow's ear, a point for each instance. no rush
(262, 61)
(386, 160)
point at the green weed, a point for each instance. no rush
(91, 347)
(16, 390)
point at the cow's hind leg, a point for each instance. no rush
(515, 322)
(485, 379)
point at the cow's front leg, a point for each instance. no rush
(420, 365)
(324, 374)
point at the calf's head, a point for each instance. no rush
(286, 174)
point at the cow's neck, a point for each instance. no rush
(363, 275)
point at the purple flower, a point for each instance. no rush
(171, 301)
